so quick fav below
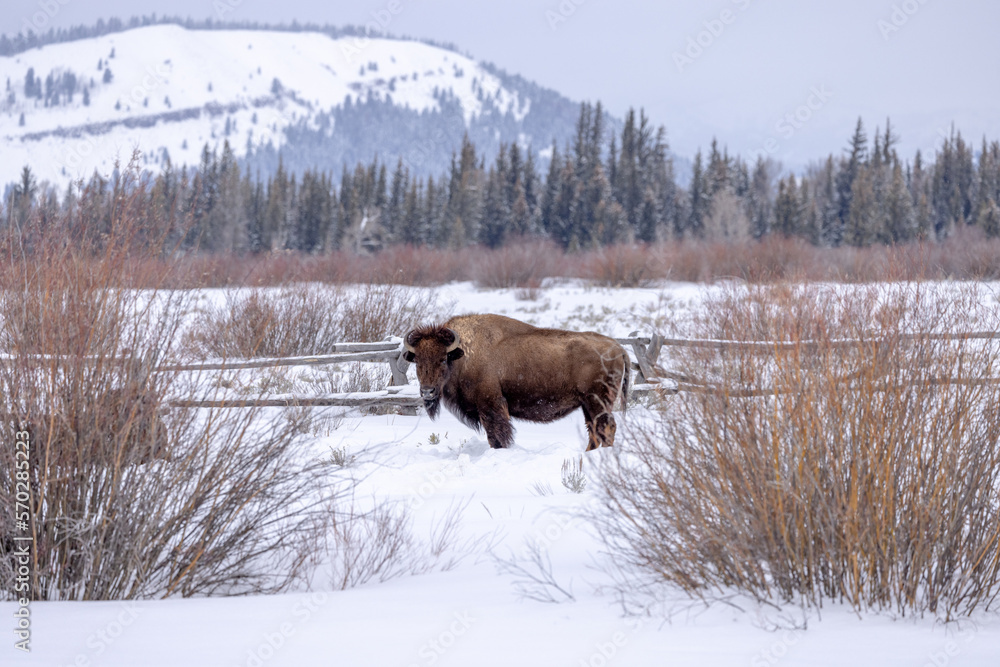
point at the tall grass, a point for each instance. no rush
(817, 471)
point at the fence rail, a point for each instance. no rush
(646, 349)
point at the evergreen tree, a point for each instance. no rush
(316, 212)
(845, 181)
(411, 231)
(718, 169)
(758, 199)
(830, 229)
(788, 209)
(988, 176)
(700, 200)
(590, 182)
(561, 228)
(859, 231)
(664, 194)
(255, 218)
(274, 211)
(550, 196)
(464, 196)
(989, 218)
(902, 225)
(495, 221)
(226, 220)
(809, 226)
(532, 192)
(393, 217)
(32, 86)
(434, 206)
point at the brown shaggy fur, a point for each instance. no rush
(503, 368)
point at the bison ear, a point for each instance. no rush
(455, 354)
(409, 356)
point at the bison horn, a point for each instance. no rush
(455, 343)
(407, 344)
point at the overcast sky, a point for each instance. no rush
(741, 70)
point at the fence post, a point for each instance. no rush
(398, 367)
(646, 357)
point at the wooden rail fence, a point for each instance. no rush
(646, 350)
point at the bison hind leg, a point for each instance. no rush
(606, 428)
(601, 426)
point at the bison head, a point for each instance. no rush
(433, 350)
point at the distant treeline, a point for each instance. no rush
(598, 190)
(33, 34)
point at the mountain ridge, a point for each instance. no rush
(275, 95)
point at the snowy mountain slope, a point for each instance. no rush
(171, 90)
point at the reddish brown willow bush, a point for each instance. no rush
(525, 263)
(126, 497)
(306, 320)
(815, 470)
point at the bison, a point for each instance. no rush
(489, 368)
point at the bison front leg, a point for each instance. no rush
(496, 421)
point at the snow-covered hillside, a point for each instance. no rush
(168, 91)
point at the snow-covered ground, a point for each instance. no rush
(472, 614)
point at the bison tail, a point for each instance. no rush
(626, 381)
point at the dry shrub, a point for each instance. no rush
(416, 265)
(306, 319)
(521, 263)
(401, 265)
(375, 312)
(966, 254)
(821, 470)
(125, 497)
(379, 544)
(624, 266)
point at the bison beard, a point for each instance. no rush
(489, 368)
(433, 406)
